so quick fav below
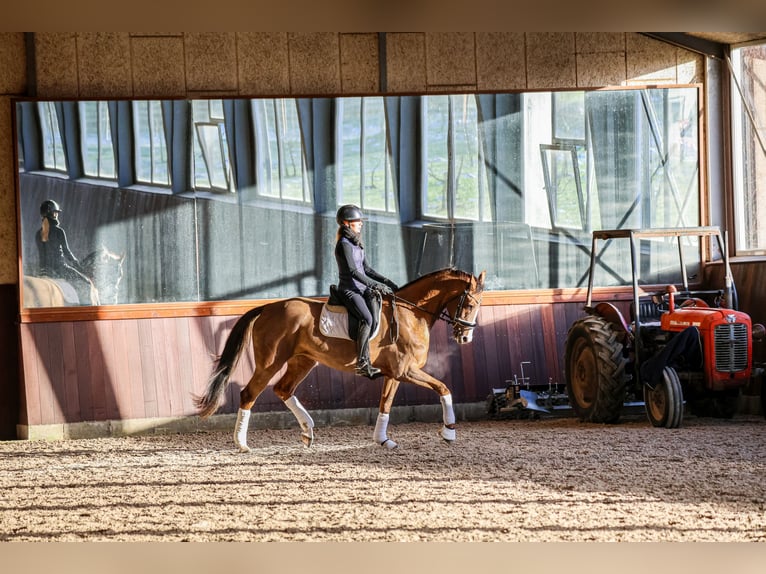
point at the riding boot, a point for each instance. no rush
(363, 365)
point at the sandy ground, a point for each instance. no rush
(513, 480)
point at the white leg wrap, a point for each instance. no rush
(448, 413)
(381, 432)
(304, 418)
(240, 430)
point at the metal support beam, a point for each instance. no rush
(699, 45)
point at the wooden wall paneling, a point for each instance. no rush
(490, 331)
(93, 352)
(543, 340)
(221, 326)
(29, 402)
(202, 354)
(166, 357)
(147, 368)
(83, 366)
(111, 382)
(186, 367)
(70, 376)
(478, 347)
(120, 371)
(508, 359)
(466, 362)
(51, 371)
(132, 359)
(561, 316)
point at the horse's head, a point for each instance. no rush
(464, 308)
(105, 269)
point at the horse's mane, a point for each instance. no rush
(435, 275)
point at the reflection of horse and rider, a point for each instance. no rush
(360, 287)
(56, 258)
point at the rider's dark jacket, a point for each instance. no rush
(55, 255)
(355, 274)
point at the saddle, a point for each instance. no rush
(335, 320)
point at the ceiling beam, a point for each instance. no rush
(699, 45)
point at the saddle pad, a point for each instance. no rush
(333, 322)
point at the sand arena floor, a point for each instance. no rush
(522, 480)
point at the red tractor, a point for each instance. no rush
(680, 346)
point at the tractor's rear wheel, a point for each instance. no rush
(595, 370)
(665, 402)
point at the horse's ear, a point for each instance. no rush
(480, 280)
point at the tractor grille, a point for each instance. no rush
(731, 347)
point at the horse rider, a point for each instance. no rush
(56, 259)
(359, 285)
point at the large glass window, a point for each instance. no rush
(454, 181)
(279, 151)
(210, 168)
(150, 147)
(513, 184)
(749, 148)
(53, 148)
(365, 177)
(96, 140)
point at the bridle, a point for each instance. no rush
(456, 321)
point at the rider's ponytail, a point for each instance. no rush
(46, 227)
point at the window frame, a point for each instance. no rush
(103, 114)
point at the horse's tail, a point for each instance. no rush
(209, 402)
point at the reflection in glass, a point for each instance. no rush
(508, 183)
(96, 140)
(149, 143)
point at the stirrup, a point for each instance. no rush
(367, 370)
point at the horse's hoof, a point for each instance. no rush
(389, 444)
(243, 448)
(307, 439)
(449, 435)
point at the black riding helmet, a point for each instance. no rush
(349, 212)
(48, 208)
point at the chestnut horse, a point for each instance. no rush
(287, 333)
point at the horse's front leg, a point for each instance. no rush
(381, 425)
(423, 379)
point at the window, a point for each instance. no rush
(454, 181)
(150, 147)
(96, 140)
(749, 148)
(281, 166)
(364, 177)
(210, 166)
(53, 148)
(472, 189)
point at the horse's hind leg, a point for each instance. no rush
(380, 435)
(297, 369)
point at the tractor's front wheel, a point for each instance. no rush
(595, 370)
(665, 402)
